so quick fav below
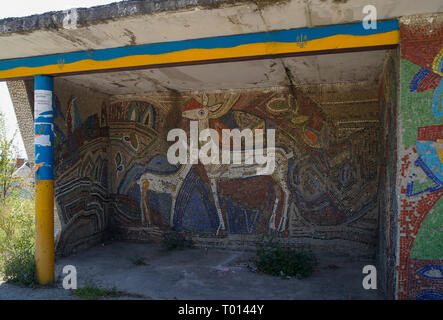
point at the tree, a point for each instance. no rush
(8, 154)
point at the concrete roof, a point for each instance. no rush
(132, 23)
(307, 70)
(152, 21)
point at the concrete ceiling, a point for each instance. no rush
(307, 70)
(142, 22)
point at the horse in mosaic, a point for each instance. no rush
(216, 173)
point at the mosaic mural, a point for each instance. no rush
(324, 184)
(420, 274)
(80, 169)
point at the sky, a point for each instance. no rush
(22, 8)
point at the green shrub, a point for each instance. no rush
(20, 268)
(175, 240)
(17, 241)
(17, 246)
(281, 260)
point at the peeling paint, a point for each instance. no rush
(70, 19)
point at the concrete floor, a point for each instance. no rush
(198, 274)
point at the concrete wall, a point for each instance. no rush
(420, 159)
(21, 96)
(387, 198)
(323, 193)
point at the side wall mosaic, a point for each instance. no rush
(81, 146)
(420, 154)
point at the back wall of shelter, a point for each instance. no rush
(113, 178)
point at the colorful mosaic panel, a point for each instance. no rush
(421, 188)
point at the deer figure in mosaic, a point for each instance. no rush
(171, 184)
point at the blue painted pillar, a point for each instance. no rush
(44, 178)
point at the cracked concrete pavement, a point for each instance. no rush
(197, 274)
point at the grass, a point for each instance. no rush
(284, 261)
(91, 292)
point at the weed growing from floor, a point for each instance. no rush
(138, 261)
(91, 292)
(173, 240)
(277, 259)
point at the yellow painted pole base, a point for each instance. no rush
(44, 230)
